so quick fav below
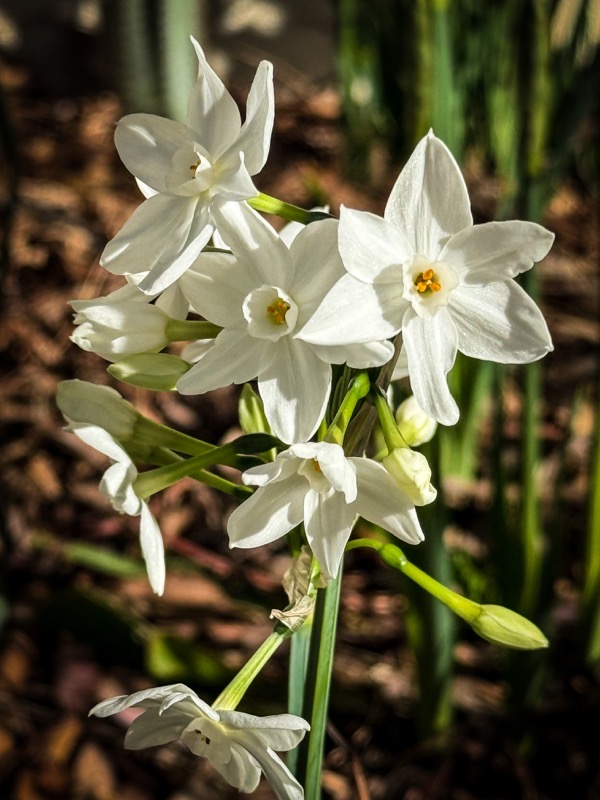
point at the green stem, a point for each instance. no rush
(231, 695)
(317, 687)
(187, 330)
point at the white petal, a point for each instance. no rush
(270, 513)
(496, 251)
(381, 501)
(359, 356)
(241, 770)
(147, 143)
(328, 521)
(429, 201)
(153, 728)
(281, 732)
(285, 464)
(315, 266)
(255, 136)
(354, 312)
(255, 242)
(181, 256)
(234, 181)
(100, 440)
(146, 698)
(294, 389)
(212, 111)
(153, 550)
(371, 246)
(216, 286)
(500, 323)
(173, 302)
(281, 780)
(234, 358)
(431, 345)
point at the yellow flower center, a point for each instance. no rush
(427, 282)
(277, 310)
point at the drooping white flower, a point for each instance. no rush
(117, 486)
(447, 284)
(316, 483)
(238, 745)
(261, 296)
(183, 170)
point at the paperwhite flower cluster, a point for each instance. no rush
(202, 266)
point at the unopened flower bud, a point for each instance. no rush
(117, 330)
(416, 426)
(502, 626)
(83, 402)
(412, 473)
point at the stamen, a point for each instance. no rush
(427, 282)
(277, 310)
(194, 167)
(316, 466)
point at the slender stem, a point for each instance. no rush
(185, 330)
(232, 694)
(271, 205)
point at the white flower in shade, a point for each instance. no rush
(261, 296)
(183, 170)
(240, 746)
(119, 329)
(426, 270)
(317, 484)
(117, 486)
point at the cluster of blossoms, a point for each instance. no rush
(397, 295)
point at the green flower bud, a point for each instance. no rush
(85, 402)
(157, 371)
(412, 473)
(502, 626)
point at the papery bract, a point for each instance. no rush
(426, 270)
(184, 170)
(316, 483)
(238, 745)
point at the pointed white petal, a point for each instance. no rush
(252, 239)
(281, 732)
(146, 144)
(212, 112)
(371, 247)
(431, 344)
(281, 780)
(216, 286)
(500, 323)
(294, 389)
(146, 698)
(255, 136)
(496, 251)
(354, 312)
(381, 501)
(315, 266)
(271, 512)
(328, 521)
(234, 358)
(429, 201)
(234, 181)
(153, 550)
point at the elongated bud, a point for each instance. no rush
(157, 371)
(84, 402)
(416, 426)
(502, 626)
(252, 412)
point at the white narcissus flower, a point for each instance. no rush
(426, 270)
(261, 296)
(117, 485)
(316, 483)
(238, 745)
(183, 170)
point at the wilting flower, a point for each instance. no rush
(426, 270)
(316, 483)
(261, 296)
(183, 170)
(117, 485)
(238, 745)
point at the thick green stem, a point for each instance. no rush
(271, 205)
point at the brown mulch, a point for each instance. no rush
(72, 636)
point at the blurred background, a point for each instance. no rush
(421, 708)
